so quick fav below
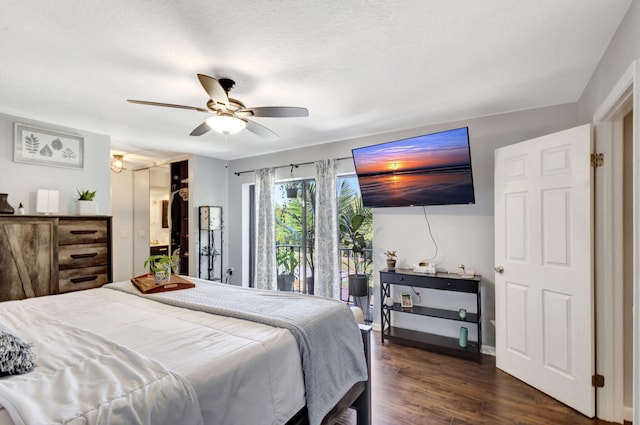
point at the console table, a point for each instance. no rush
(429, 341)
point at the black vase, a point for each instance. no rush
(5, 208)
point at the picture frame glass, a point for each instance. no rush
(406, 301)
(41, 146)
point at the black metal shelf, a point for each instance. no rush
(434, 312)
(433, 342)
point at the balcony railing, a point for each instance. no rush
(303, 282)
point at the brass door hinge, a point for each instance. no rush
(597, 381)
(597, 159)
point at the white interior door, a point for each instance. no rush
(543, 242)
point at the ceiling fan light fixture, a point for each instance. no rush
(226, 124)
(117, 164)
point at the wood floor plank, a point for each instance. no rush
(413, 386)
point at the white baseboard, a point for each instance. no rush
(487, 349)
(628, 414)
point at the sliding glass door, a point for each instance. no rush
(295, 211)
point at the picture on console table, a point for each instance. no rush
(406, 301)
(40, 146)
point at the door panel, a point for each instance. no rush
(544, 297)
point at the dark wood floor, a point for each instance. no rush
(412, 386)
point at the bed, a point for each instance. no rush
(212, 354)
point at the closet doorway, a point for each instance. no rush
(161, 214)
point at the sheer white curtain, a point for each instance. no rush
(265, 270)
(327, 271)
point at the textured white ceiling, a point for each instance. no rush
(360, 66)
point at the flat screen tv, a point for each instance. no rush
(433, 169)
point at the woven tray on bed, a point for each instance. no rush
(147, 284)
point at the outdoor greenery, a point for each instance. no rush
(287, 260)
(290, 224)
(293, 217)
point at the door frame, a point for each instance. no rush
(608, 122)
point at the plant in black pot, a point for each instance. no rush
(354, 239)
(291, 189)
(287, 261)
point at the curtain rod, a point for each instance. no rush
(237, 173)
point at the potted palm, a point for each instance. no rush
(287, 262)
(353, 238)
(162, 266)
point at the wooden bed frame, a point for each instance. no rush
(358, 397)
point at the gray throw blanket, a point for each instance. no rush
(327, 334)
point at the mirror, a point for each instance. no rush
(159, 186)
(154, 209)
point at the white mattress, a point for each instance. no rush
(243, 372)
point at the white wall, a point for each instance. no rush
(208, 186)
(464, 233)
(21, 181)
(623, 49)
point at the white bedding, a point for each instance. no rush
(242, 372)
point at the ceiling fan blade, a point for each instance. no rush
(168, 105)
(214, 89)
(276, 111)
(260, 130)
(200, 130)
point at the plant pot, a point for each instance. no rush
(358, 285)
(162, 277)
(391, 264)
(87, 207)
(285, 282)
(292, 192)
(310, 287)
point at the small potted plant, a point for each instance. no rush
(162, 267)
(86, 203)
(391, 259)
(292, 190)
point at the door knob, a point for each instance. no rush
(498, 269)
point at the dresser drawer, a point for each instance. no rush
(86, 255)
(78, 279)
(82, 231)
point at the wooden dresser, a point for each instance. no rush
(44, 255)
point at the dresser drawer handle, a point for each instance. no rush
(83, 232)
(83, 279)
(91, 254)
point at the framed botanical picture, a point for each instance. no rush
(40, 146)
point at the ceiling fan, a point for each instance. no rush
(230, 115)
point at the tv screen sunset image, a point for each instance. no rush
(433, 169)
